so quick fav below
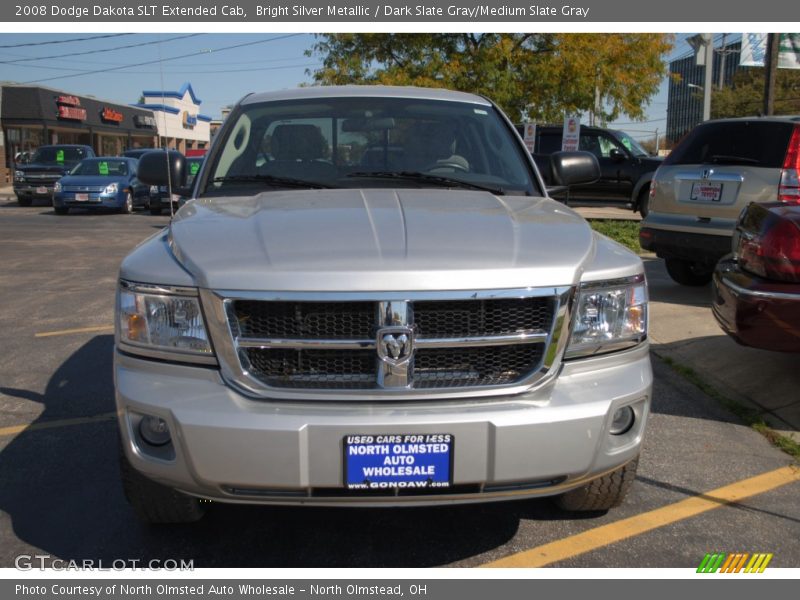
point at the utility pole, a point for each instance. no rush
(722, 54)
(770, 72)
(703, 45)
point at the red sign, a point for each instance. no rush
(71, 112)
(71, 100)
(109, 114)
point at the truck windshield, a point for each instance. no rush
(365, 142)
(58, 155)
(632, 145)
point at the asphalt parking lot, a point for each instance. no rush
(706, 482)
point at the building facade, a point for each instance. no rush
(33, 116)
(685, 94)
(180, 123)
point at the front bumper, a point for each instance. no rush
(228, 447)
(93, 200)
(34, 190)
(756, 312)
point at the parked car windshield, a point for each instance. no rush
(58, 155)
(102, 167)
(369, 142)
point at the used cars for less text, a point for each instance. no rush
(420, 326)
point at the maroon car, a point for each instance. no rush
(757, 289)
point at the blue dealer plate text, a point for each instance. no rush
(415, 461)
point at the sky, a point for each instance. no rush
(221, 67)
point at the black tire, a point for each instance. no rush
(602, 493)
(24, 200)
(155, 209)
(643, 204)
(155, 503)
(61, 210)
(687, 272)
(127, 208)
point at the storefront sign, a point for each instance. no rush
(144, 121)
(70, 100)
(189, 121)
(72, 112)
(68, 107)
(109, 114)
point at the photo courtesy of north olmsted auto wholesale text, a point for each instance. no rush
(375, 300)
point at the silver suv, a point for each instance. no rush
(708, 179)
(371, 301)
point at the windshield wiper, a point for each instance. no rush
(426, 178)
(725, 158)
(274, 180)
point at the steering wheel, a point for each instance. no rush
(453, 166)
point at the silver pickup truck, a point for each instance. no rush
(370, 300)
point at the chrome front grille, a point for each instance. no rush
(331, 345)
(83, 188)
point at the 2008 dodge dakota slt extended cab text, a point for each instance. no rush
(371, 301)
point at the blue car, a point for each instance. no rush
(104, 182)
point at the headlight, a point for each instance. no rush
(111, 188)
(19, 175)
(609, 315)
(57, 187)
(162, 322)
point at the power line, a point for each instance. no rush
(84, 39)
(150, 62)
(100, 51)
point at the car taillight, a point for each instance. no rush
(775, 254)
(789, 187)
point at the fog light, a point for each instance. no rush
(154, 431)
(622, 421)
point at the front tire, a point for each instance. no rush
(602, 493)
(127, 208)
(643, 204)
(688, 273)
(155, 503)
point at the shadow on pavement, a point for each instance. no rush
(61, 489)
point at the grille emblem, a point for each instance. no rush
(707, 173)
(395, 345)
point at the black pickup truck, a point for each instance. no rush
(626, 168)
(48, 164)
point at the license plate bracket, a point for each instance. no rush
(81, 197)
(421, 461)
(41, 190)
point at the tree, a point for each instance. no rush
(745, 96)
(537, 76)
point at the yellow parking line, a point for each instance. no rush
(633, 526)
(71, 331)
(15, 429)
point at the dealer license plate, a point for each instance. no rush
(41, 190)
(414, 461)
(706, 192)
(81, 197)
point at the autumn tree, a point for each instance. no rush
(745, 96)
(537, 76)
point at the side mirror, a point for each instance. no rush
(572, 168)
(616, 155)
(163, 168)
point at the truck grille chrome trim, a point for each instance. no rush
(385, 346)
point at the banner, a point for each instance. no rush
(754, 50)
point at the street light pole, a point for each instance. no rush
(709, 49)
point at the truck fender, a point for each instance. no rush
(644, 180)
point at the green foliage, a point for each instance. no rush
(624, 232)
(745, 96)
(537, 76)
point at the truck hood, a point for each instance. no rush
(45, 167)
(380, 240)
